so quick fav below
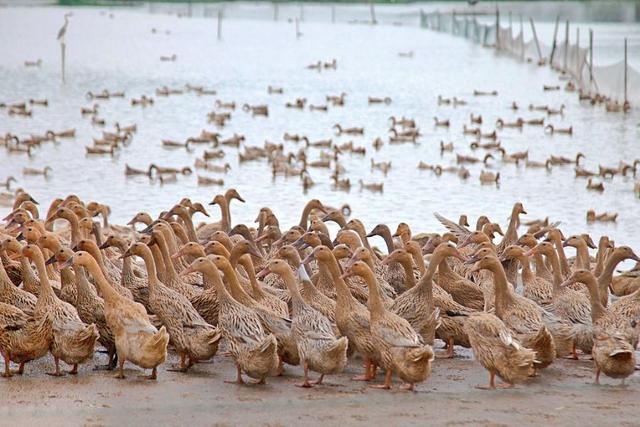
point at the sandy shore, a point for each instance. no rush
(563, 394)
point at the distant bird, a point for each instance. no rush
(63, 30)
(473, 2)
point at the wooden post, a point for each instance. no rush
(535, 38)
(219, 24)
(590, 58)
(189, 9)
(275, 11)
(373, 13)
(626, 64)
(554, 45)
(298, 34)
(497, 28)
(302, 11)
(566, 46)
(63, 48)
(333, 13)
(521, 39)
(578, 50)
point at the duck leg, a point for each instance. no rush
(57, 373)
(492, 382)
(319, 380)
(20, 370)
(449, 354)
(238, 378)
(154, 374)
(597, 375)
(306, 383)
(408, 386)
(387, 381)
(7, 367)
(366, 376)
(120, 374)
(74, 371)
(374, 371)
(183, 365)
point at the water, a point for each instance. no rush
(122, 54)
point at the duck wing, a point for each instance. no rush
(460, 231)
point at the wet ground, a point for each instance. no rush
(563, 394)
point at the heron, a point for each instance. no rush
(63, 30)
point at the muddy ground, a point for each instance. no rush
(564, 394)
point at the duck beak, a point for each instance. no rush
(20, 237)
(308, 259)
(263, 273)
(240, 198)
(471, 260)
(177, 255)
(476, 267)
(126, 254)
(346, 274)
(466, 242)
(635, 257)
(51, 260)
(567, 282)
(66, 264)
(460, 257)
(565, 244)
(187, 270)
(105, 245)
(386, 261)
(131, 222)
(254, 251)
(529, 253)
(33, 201)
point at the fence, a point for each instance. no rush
(617, 85)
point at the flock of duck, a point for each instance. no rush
(274, 297)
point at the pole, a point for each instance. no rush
(579, 66)
(497, 28)
(566, 45)
(625, 71)
(535, 38)
(554, 45)
(63, 49)
(521, 39)
(333, 13)
(590, 58)
(297, 28)
(275, 11)
(219, 24)
(302, 11)
(373, 13)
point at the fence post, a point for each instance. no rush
(535, 38)
(63, 48)
(554, 45)
(219, 24)
(625, 70)
(566, 46)
(372, 11)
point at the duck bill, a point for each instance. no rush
(254, 252)
(105, 245)
(308, 259)
(263, 273)
(65, 264)
(51, 260)
(567, 283)
(177, 255)
(465, 243)
(346, 275)
(187, 270)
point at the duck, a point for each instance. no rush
(599, 187)
(376, 100)
(613, 353)
(208, 181)
(401, 348)
(348, 131)
(559, 160)
(521, 315)
(193, 338)
(136, 339)
(73, 341)
(33, 171)
(518, 123)
(252, 348)
(319, 348)
(498, 351)
(441, 122)
(551, 129)
(373, 187)
(567, 303)
(352, 317)
(538, 165)
(446, 147)
(487, 177)
(603, 217)
(485, 93)
(537, 288)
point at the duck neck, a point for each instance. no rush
(212, 275)
(247, 264)
(106, 290)
(304, 218)
(541, 266)
(342, 291)
(564, 263)
(290, 280)
(225, 221)
(409, 278)
(600, 258)
(582, 256)
(237, 291)
(46, 291)
(597, 308)
(388, 239)
(376, 308)
(152, 275)
(512, 230)
(604, 280)
(503, 297)
(188, 223)
(419, 261)
(166, 259)
(157, 259)
(83, 287)
(75, 230)
(5, 281)
(552, 256)
(527, 274)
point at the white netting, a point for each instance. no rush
(570, 59)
